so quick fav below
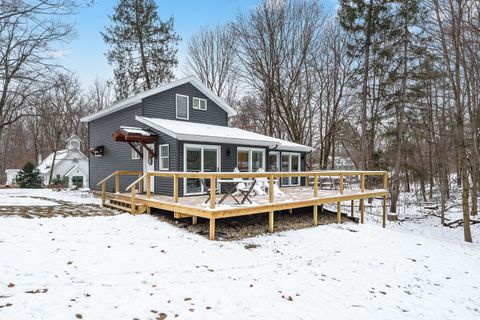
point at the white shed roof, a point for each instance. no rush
(199, 132)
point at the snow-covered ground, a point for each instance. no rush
(126, 267)
(45, 197)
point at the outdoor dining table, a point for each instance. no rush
(230, 191)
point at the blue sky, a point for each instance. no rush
(85, 54)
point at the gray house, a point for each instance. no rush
(181, 126)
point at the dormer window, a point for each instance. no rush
(199, 103)
(181, 106)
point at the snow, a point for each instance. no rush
(191, 131)
(46, 164)
(124, 267)
(45, 197)
(135, 130)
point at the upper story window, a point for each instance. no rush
(199, 103)
(181, 104)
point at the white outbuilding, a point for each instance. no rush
(70, 163)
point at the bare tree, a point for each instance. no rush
(275, 41)
(211, 56)
(29, 31)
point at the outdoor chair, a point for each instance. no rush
(264, 184)
(207, 189)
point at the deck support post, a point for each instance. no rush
(194, 220)
(315, 215)
(213, 190)
(117, 183)
(270, 221)
(148, 186)
(133, 211)
(211, 234)
(321, 208)
(104, 193)
(362, 210)
(339, 213)
(384, 216)
(351, 208)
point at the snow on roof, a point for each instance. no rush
(125, 103)
(135, 130)
(73, 169)
(46, 164)
(192, 131)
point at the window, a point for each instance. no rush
(181, 106)
(164, 157)
(199, 103)
(135, 155)
(250, 159)
(273, 162)
(290, 163)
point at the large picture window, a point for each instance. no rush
(250, 159)
(181, 106)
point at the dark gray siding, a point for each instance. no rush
(163, 185)
(162, 105)
(116, 155)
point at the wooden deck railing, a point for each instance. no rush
(117, 175)
(214, 176)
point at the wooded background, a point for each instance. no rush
(392, 84)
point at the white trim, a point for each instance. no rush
(201, 147)
(290, 154)
(177, 95)
(199, 103)
(160, 157)
(250, 158)
(125, 103)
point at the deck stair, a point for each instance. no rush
(124, 205)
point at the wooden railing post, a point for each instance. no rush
(175, 188)
(117, 183)
(271, 193)
(341, 183)
(385, 181)
(140, 183)
(213, 193)
(133, 211)
(362, 182)
(149, 189)
(104, 193)
(315, 186)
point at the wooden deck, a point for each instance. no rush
(295, 197)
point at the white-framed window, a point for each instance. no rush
(250, 159)
(135, 155)
(273, 161)
(181, 106)
(291, 162)
(163, 157)
(199, 103)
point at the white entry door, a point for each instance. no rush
(148, 165)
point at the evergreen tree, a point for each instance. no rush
(29, 177)
(369, 23)
(142, 47)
